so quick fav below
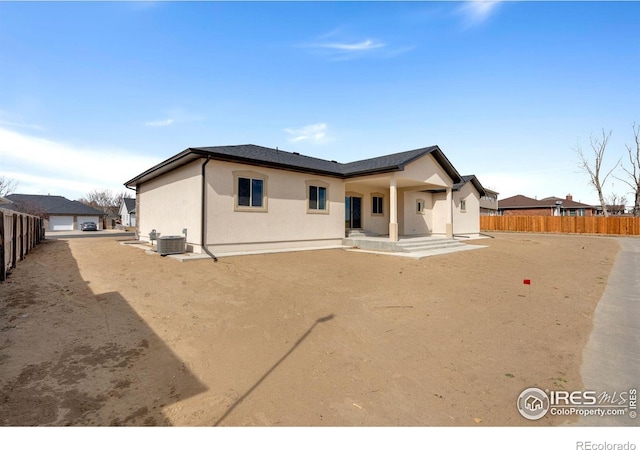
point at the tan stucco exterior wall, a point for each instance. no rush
(412, 222)
(171, 203)
(439, 210)
(377, 223)
(287, 222)
(426, 170)
(466, 222)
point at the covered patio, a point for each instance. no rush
(414, 201)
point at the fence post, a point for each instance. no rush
(14, 241)
(3, 266)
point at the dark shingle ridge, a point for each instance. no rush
(251, 153)
(254, 153)
(385, 162)
(280, 159)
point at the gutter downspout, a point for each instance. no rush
(203, 234)
(137, 235)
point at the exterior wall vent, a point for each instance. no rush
(171, 245)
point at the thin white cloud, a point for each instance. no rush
(175, 116)
(339, 45)
(357, 47)
(313, 133)
(476, 12)
(44, 166)
(159, 123)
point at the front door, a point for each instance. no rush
(353, 212)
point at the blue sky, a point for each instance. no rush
(92, 94)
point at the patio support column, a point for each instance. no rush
(449, 225)
(393, 210)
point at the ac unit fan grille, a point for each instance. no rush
(171, 245)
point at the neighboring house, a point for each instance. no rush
(489, 203)
(4, 201)
(520, 205)
(111, 219)
(247, 197)
(128, 212)
(63, 214)
(613, 210)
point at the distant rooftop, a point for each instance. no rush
(52, 204)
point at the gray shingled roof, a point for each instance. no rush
(520, 202)
(567, 204)
(270, 157)
(523, 202)
(253, 154)
(52, 204)
(464, 180)
(473, 179)
(131, 204)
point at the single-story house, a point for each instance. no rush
(489, 203)
(248, 198)
(520, 205)
(128, 212)
(63, 214)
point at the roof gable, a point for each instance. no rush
(130, 204)
(474, 180)
(520, 202)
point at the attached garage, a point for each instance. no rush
(94, 219)
(61, 223)
(63, 214)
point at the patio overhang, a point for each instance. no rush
(397, 183)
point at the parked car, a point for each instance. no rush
(89, 226)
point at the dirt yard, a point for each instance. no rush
(93, 332)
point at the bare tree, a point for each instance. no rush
(104, 200)
(7, 186)
(633, 173)
(616, 204)
(594, 169)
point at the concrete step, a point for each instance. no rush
(409, 245)
(361, 233)
(426, 245)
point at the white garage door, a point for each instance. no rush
(60, 223)
(83, 219)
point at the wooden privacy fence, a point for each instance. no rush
(19, 233)
(626, 226)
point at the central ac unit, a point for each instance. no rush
(171, 245)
